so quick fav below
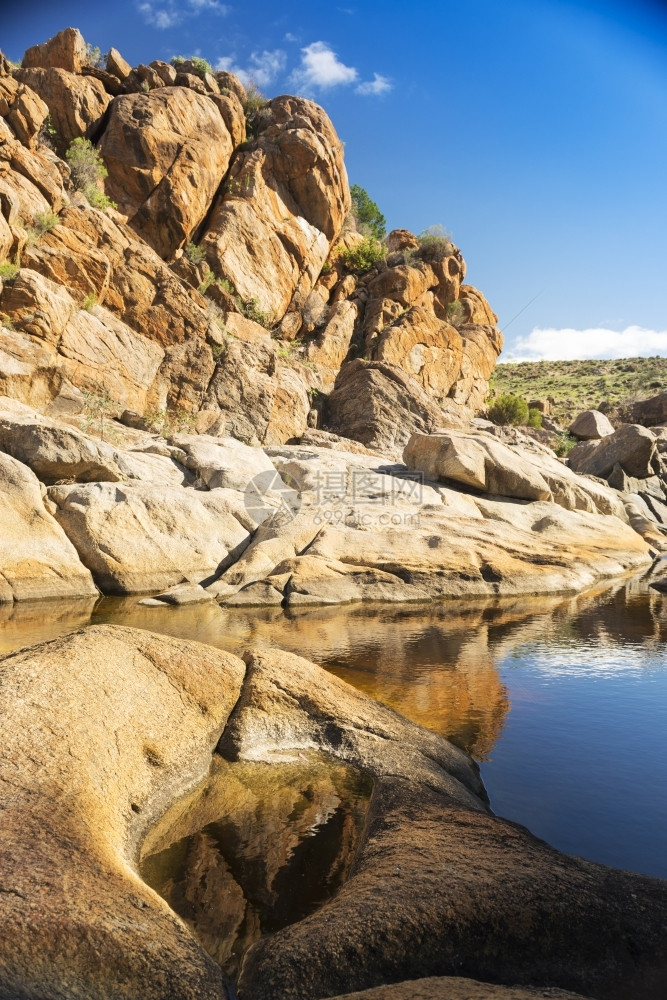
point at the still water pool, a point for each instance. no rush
(562, 701)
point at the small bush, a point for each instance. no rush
(534, 418)
(89, 302)
(95, 56)
(564, 444)
(254, 100)
(251, 310)
(456, 313)
(8, 271)
(218, 351)
(42, 223)
(194, 253)
(48, 134)
(509, 409)
(209, 278)
(364, 256)
(199, 65)
(87, 170)
(435, 243)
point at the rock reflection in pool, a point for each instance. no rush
(257, 847)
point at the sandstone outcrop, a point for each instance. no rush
(380, 405)
(284, 204)
(77, 104)
(136, 538)
(37, 560)
(166, 152)
(455, 988)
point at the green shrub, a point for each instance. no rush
(370, 220)
(564, 444)
(534, 418)
(509, 409)
(8, 271)
(456, 313)
(435, 243)
(364, 256)
(199, 65)
(89, 302)
(42, 223)
(194, 253)
(254, 100)
(209, 278)
(87, 170)
(251, 310)
(95, 56)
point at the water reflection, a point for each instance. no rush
(256, 848)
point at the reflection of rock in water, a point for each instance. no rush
(256, 848)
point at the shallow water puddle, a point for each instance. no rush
(255, 848)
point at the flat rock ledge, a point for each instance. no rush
(104, 729)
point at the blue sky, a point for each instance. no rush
(535, 131)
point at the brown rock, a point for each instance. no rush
(591, 425)
(105, 729)
(117, 65)
(423, 346)
(401, 239)
(23, 110)
(379, 405)
(233, 116)
(229, 82)
(165, 71)
(77, 104)
(631, 446)
(331, 345)
(66, 50)
(476, 310)
(650, 412)
(284, 204)
(166, 153)
(475, 461)
(36, 557)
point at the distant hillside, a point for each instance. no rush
(582, 385)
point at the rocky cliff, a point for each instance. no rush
(208, 285)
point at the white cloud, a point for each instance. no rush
(262, 68)
(580, 345)
(289, 37)
(170, 13)
(321, 68)
(378, 85)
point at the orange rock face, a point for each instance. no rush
(166, 152)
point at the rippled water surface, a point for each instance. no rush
(563, 701)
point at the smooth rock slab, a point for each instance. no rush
(101, 731)
(138, 538)
(37, 560)
(633, 447)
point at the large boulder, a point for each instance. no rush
(22, 109)
(651, 412)
(284, 203)
(476, 461)
(101, 730)
(66, 50)
(140, 537)
(224, 462)
(36, 558)
(591, 425)
(77, 104)
(633, 447)
(380, 405)
(166, 152)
